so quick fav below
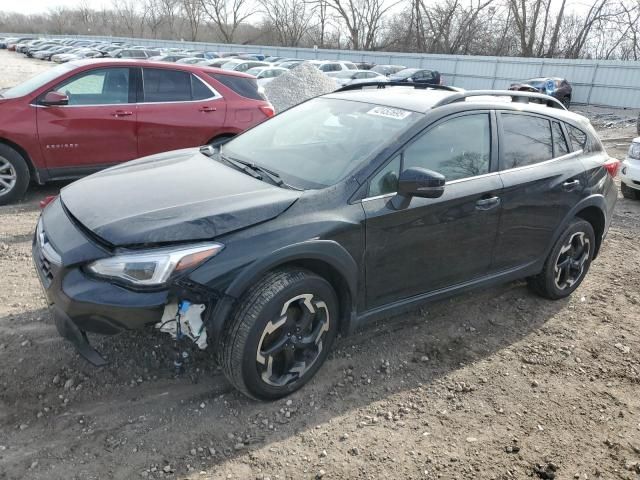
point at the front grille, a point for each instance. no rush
(44, 266)
(46, 258)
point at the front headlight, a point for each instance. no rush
(634, 151)
(153, 267)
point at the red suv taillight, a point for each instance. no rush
(612, 166)
(47, 200)
(268, 110)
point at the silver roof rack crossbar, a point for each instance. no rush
(360, 86)
(516, 96)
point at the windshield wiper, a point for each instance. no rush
(256, 171)
(270, 174)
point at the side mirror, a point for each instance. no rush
(55, 98)
(418, 182)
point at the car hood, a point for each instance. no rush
(176, 196)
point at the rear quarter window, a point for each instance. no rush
(245, 87)
(580, 140)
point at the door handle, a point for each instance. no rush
(121, 113)
(207, 109)
(570, 185)
(487, 203)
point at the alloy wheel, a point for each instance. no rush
(292, 343)
(570, 263)
(8, 176)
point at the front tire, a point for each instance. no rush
(14, 175)
(628, 192)
(280, 334)
(568, 263)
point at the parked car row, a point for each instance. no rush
(344, 72)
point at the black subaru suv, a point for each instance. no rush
(349, 207)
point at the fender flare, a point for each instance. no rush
(326, 251)
(595, 200)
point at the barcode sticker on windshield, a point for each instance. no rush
(388, 112)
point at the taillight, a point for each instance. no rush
(612, 166)
(268, 110)
(47, 200)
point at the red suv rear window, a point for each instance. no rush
(245, 87)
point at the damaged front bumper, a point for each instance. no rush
(80, 304)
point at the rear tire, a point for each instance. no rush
(14, 175)
(568, 263)
(628, 192)
(280, 334)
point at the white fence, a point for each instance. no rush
(597, 82)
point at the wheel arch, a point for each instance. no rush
(27, 158)
(592, 209)
(595, 216)
(325, 258)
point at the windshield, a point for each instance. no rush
(25, 88)
(320, 142)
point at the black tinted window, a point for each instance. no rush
(386, 180)
(245, 87)
(199, 91)
(526, 140)
(578, 138)
(559, 142)
(457, 148)
(162, 85)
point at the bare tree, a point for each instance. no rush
(194, 13)
(154, 15)
(59, 20)
(170, 11)
(227, 15)
(289, 19)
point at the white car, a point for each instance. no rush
(265, 74)
(333, 66)
(630, 172)
(349, 77)
(240, 65)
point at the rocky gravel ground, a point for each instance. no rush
(499, 384)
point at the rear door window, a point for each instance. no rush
(559, 142)
(199, 91)
(163, 85)
(526, 140)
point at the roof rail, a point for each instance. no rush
(516, 96)
(359, 86)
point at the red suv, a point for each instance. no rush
(83, 116)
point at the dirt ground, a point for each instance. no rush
(498, 384)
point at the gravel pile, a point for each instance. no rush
(299, 84)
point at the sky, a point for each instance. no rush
(38, 6)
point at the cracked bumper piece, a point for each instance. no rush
(69, 330)
(82, 304)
